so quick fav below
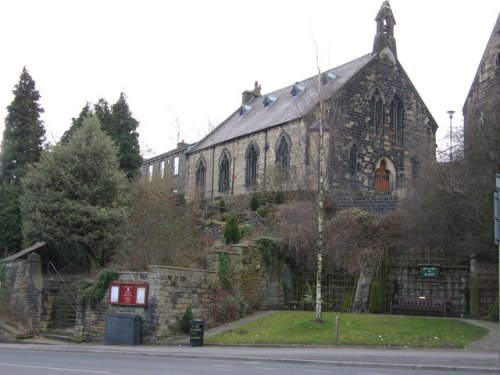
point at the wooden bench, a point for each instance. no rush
(421, 303)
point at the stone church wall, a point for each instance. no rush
(354, 128)
(266, 170)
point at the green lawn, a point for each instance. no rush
(299, 328)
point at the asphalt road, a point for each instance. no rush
(40, 362)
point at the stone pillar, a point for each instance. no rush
(360, 303)
(23, 291)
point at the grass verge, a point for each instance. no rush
(299, 328)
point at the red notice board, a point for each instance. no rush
(128, 293)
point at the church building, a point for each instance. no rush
(374, 130)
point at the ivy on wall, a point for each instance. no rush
(270, 249)
(224, 270)
(93, 292)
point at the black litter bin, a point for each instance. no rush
(196, 332)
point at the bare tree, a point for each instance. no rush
(163, 229)
(450, 205)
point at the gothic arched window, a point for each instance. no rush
(224, 172)
(283, 153)
(397, 118)
(251, 159)
(200, 176)
(377, 112)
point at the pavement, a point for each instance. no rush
(481, 356)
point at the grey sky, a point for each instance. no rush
(184, 64)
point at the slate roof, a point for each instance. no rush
(286, 108)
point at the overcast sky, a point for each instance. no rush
(184, 64)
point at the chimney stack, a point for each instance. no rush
(247, 96)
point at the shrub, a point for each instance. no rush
(346, 306)
(270, 249)
(263, 211)
(185, 323)
(93, 292)
(232, 232)
(493, 312)
(224, 270)
(279, 197)
(228, 306)
(375, 303)
(222, 206)
(246, 230)
(254, 202)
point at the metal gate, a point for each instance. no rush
(63, 292)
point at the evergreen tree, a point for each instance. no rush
(119, 124)
(11, 237)
(103, 113)
(24, 132)
(21, 146)
(122, 128)
(76, 199)
(76, 123)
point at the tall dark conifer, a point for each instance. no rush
(22, 143)
(123, 130)
(76, 123)
(24, 132)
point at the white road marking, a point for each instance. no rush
(54, 368)
(318, 371)
(266, 368)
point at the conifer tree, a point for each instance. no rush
(118, 123)
(24, 132)
(22, 142)
(11, 237)
(122, 128)
(76, 123)
(76, 199)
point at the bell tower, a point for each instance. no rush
(385, 30)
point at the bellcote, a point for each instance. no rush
(385, 30)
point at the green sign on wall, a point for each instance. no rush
(429, 270)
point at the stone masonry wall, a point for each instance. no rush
(22, 286)
(261, 285)
(171, 291)
(267, 145)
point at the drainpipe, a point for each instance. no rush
(265, 156)
(233, 176)
(213, 170)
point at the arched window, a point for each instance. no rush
(353, 166)
(251, 159)
(224, 172)
(397, 118)
(377, 112)
(200, 176)
(283, 152)
(382, 178)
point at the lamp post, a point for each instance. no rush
(450, 113)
